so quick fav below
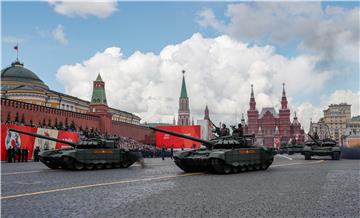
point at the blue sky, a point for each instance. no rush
(145, 27)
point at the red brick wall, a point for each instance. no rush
(139, 133)
(37, 113)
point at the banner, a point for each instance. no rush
(18, 140)
(67, 136)
(167, 140)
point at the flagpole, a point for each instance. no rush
(17, 51)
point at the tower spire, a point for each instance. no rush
(183, 93)
(283, 92)
(252, 99)
(184, 110)
(252, 91)
(283, 98)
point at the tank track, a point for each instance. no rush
(69, 163)
(220, 167)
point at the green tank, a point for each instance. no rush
(325, 147)
(92, 153)
(223, 155)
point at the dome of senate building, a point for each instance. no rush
(17, 74)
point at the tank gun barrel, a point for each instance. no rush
(43, 137)
(205, 142)
(312, 138)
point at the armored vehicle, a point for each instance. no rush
(325, 147)
(291, 149)
(223, 154)
(88, 154)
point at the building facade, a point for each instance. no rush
(21, 84)
(336, 117)
(272, 128)
(321, 128)
(351, 135)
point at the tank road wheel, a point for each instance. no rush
(242, 168)
(264, 165)
(78, 166)
(220, 166)
(69, 163)
(307, 155)
(257, 167)
(108, 166)
(336, 155)
(125, 164)
(98, 166)
(250, 167)
(116, 165)
(235, 169)
(89, 166)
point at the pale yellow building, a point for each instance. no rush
(336, 117)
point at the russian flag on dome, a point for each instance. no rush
(16, 47)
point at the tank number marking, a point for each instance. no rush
(247, 152)
(103, 152)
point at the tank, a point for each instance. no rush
(223, 155)
(291, 149)
(325, 147)
(92, 153)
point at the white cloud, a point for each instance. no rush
(83, 9)
(11, 40)
(332, 32)
(59, 34)
(219, 73)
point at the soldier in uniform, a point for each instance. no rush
(25, 154)
(8, 153)
(238, 131)
(18, 153)
(36, 154)
(224, 131)
(316, 136)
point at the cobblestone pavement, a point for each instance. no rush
(291, 187)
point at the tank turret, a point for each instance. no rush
(218, 142)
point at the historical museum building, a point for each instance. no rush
(272, 128)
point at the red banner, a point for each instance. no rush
(67, 136)
(13, 139)
(177, 142)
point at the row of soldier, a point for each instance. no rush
(21, 155)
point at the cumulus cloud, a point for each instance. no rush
(332, 32)
(59, 34)
(83, 9)
(219, 72)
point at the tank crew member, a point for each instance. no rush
(316, 136)
(238, 131)
(224, 131)
(36, 154)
